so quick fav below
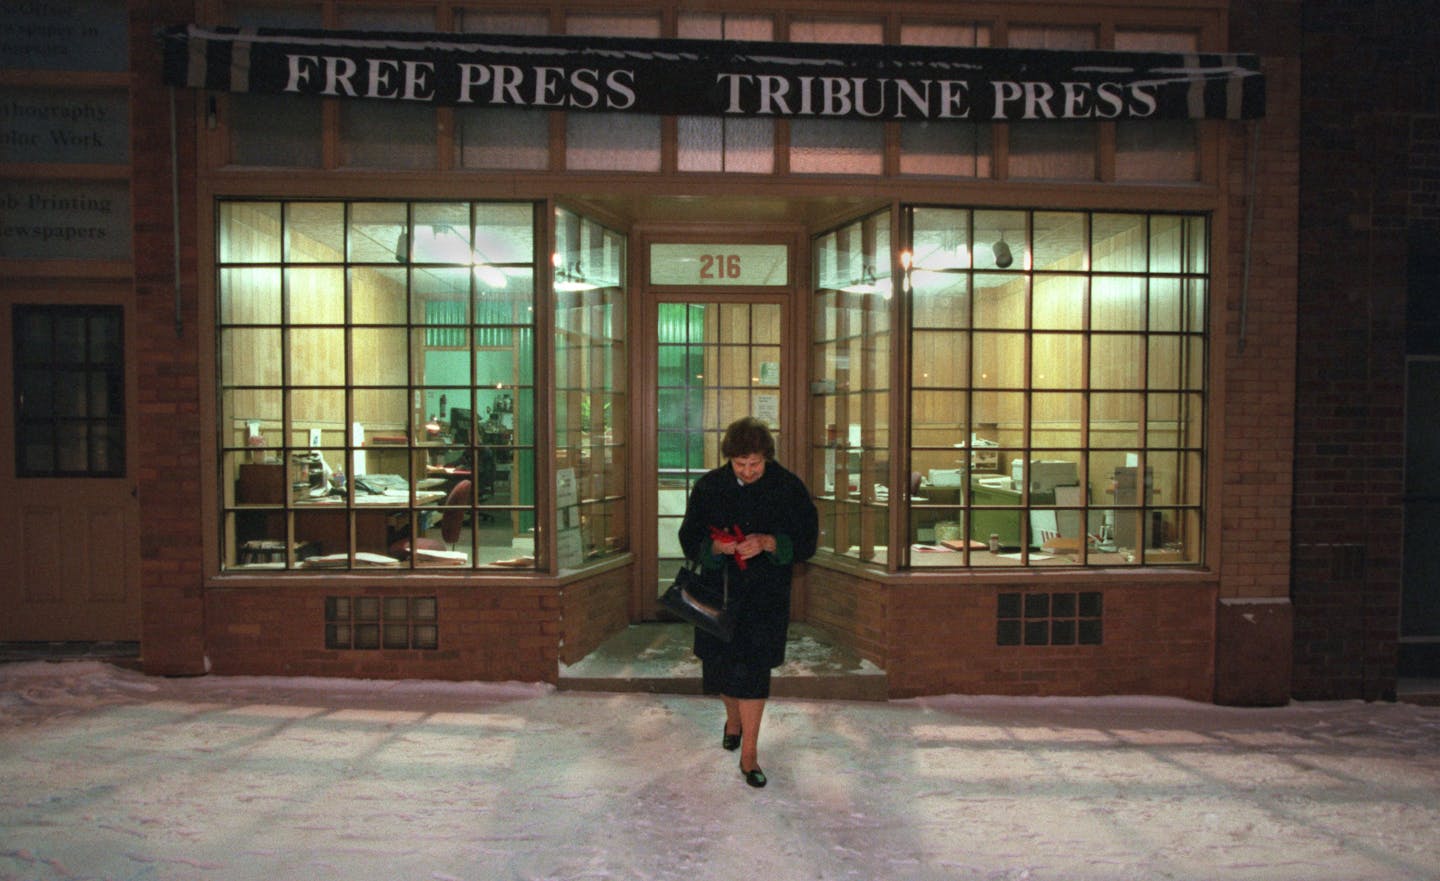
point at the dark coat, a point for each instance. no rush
(777, 504)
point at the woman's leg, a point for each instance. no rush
(750, 712)
(733, 722)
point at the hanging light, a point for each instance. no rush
(1003, 257)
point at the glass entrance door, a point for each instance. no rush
(716, 360)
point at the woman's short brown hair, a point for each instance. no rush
(746, 437)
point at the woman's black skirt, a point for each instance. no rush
(734, 677)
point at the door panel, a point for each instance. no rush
(715, 361)
(72, 558)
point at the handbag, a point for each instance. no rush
(690, 598)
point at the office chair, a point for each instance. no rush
(450, 525)
(485, 474)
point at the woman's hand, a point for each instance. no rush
(755, 543)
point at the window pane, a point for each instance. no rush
(275, 130)
(1056, 419)
(249, 232)
(501, 138)
(1060, 241)
(836, 146)
(612, 142)
(1117, 361)
(1059, 302)
(250, 296)
(1000, 299)
(1117, 303)
(733, 145)
(1162, 150)
(377, 232)
(1046, 150)
(998, 360)
(314, 232)
(1115, 420)
(377, 295)
(1118, 243)
(380, 135)
(1057, 360)
(316, 295)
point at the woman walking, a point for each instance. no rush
(753, 519)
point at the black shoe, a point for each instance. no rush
(755, 778)
(730, 741)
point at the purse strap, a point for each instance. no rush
(695, 569)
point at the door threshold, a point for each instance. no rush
(657, 658)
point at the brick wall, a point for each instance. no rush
(937, 638)
(486, 632)
(593, 609)
(851, 609)
(166, 354)
(1366, 67)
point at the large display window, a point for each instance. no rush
(1056, 399)
(376, 371)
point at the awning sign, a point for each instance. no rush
(717, 77)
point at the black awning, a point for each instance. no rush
(716, 77)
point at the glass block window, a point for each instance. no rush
(69, 374)
(392, 622)
(376, 380)
(1057, 388)
(1063, 619)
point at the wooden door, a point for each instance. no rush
(70, 568)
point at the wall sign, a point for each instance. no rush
(65, 220)
(64, 125)
(719, 265)
(717, 77)
(88, 35)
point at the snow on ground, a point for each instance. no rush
(108, 774)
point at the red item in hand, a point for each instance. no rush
(732, 534)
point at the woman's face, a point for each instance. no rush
(748, 469)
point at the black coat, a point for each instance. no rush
(777, 504)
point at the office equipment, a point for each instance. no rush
(462, 425)
(947, 477)
(1044, 475)
(380, 483)
(1129, 492)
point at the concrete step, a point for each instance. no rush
(657, 658)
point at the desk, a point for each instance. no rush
(321, 523)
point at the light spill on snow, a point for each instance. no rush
(110, 774)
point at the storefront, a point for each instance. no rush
(467, 295)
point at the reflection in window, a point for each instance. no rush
(850, 400)
(376, 368)
(1058, 387)
(591, 400)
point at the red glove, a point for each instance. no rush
(732, 534)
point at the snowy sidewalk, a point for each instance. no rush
(105, 773)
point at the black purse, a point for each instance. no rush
(692, 600)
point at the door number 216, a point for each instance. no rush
(720, 266)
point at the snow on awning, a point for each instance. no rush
(716, 77)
